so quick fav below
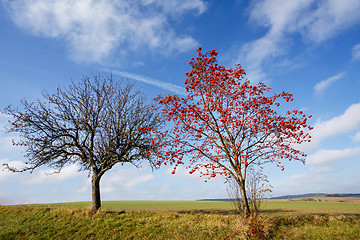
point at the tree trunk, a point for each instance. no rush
(96, 202)
(244, 198)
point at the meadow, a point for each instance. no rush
(280, 219)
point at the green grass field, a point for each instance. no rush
(180, 220)
(157, 206)
(268, 207)
(306, 207)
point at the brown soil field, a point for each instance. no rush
(338, 199)
(325, 199)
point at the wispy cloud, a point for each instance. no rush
(321, 86)
(316, 21)
(325, 19)
(356, 52)
(277, 15)
(48, 176)
(125, 178)
(96, 29)
(179, 7)
(164, 85)
(356, 137)
(307, 177)
(138, 180)
(126, 183)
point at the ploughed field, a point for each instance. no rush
(334, 218)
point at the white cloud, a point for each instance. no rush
(6, 140)
(348, 122)
(6, 145)
(255, 52)
(5, 173)
(48, 176)
(94, 29)
(326, 19)
(164, 85)
(138, 180)
(315, 20)
(4, 118)
(308, 177)
(356, 52)
(178, 7)
(275, 14)
(356, 137)
(326, 156)
(125, 178)
(84, 189)
(321, 86)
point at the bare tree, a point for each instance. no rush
(95, 123)
(258, 188)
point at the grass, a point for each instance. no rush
(152, 205)
(307, 207)
(269, 207)
(180, 220)
(24, 222)
(316, 227)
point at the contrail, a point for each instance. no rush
(164, 85)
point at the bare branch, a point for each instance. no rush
(96, 123)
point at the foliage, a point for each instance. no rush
(95, 123)
(225, 124)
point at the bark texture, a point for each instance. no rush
(244, 198)
(96, 200)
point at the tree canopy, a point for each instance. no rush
(226, 124)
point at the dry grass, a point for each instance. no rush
(288, 220)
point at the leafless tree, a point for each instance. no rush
(95, 123)
(258, 188)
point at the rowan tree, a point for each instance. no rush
(225, 124)
(95, 123)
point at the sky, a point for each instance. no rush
(310, 48)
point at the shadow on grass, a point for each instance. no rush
(211, 211)
(114, 212)
(233, 211)
(276, 211)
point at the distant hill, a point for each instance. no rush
(298, 196)
(317, 195)
(215, 199)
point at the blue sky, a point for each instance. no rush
(310, 48)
